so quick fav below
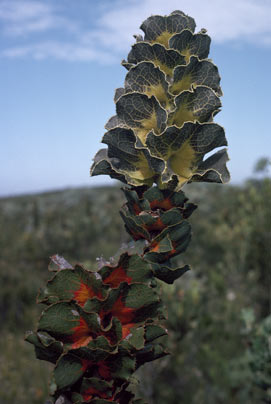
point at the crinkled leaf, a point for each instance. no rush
(154, 331)
(140, 295)
(130, 269)
(163, 245)
(147, 224)
(72, 284)
(178, 237)
(196, 73)
(199, 105)
(148, 79)
(150, 353)
(164, 199)
(96, 388)
(68, 370)
(136, 230)
(139, 112)
(213, 169)
(90, 356)
(122, 365)
(167, 274)
(46, 347)
(69, 324)
(189, 44)
(102, 166)
(101, 343)
(124, 158)
(183, 149)
(136, 337)
(165, 59)
(160, 29)
(118, 93)
(135, 203)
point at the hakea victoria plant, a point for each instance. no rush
(100, 325)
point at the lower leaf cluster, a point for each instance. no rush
(98, 327)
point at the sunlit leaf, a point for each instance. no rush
(165, 59)
(184, 148)
(160, 29)
(139, 112)
(189, 44)
(196, 73)
(199, 105)
(148, 79)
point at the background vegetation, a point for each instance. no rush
(212, 311)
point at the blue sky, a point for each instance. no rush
(60, 64)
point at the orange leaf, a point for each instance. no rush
(82, 334)
(117, 276)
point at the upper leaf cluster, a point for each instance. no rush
(163, 126)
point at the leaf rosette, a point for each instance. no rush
(163, 127)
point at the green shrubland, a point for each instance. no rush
(209, 308)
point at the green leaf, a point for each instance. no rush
(164, 199)
(96, 388)
(154, 331)
(200, 105)
(90, 355)
(196, 73)
(46, 347)
(135, 229)
(178, 237)
(72, 284)
(167, 274)
(213, 169)
(101, 342)
(147, 224)
(130, 269)
(165, 59)
(102, 166)
(136, 338)
(150, 353)
(189, 44)
(160, 29)
(184, 149)
(124, 158)
(68, 323)
(68, 370)
(140, 295)
(148, 79)
(118, 93)
(138, 112)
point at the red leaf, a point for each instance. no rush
(125, 315)
(158, 225)
(91, 392)
(104, 370)
(82, 334)
(165, 204)
(101, 366)
(84, 293)
(117, 276)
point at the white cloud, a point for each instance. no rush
(58, 50)
(242, 20)
(22, 17)
(225, 20)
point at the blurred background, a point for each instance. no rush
(59, 65)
